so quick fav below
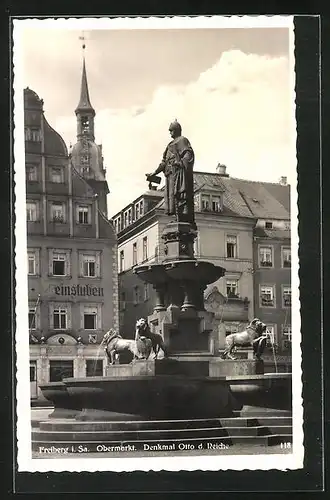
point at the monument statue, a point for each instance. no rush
(177, 166)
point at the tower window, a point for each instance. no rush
(85, 123)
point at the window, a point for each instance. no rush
(267, 298)
(231, 243)
(60, 318)
(136, 295)
(134, 254)
(216, 204)
(197, 202)
(57, 175)
(31, 173)
(145, 248)
(83, 214)
(33, 316)
(32, 263)
(33, 372)
(31, 211)
(232, 288)
(146, 291)
(205, 202)
(84, 159)
(90, 318)
(287, 296)
(59, 264)
(90, 265)
(121, 261)
(268, 225)
(141, 208)
(57, 212)
(33, 134)
(270, 332)
(130, 216)
(94, 367)
(266, 256)
(85, 124)
(59, 369)
(286, 257)
(287, 336)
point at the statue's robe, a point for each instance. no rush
(177, 165)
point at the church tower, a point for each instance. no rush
(86, 155)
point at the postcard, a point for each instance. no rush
(157, 288)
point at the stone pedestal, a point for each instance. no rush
(179, 241)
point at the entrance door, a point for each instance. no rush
(60, 369)
(33, 380)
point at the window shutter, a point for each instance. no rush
(81, 316)
(51, 252)
(99, 317)
(81, 264)
(97, 264)
(51, 316)
(67, 263)
(68, 308)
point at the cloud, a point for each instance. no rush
(238, 112)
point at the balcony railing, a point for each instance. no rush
(266, 263)
(267, 302)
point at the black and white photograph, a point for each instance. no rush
(157, 287)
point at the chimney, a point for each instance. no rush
(283, 181)
(221, 169)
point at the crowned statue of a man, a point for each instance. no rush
(177, 165)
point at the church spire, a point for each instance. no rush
(84, 102)
(85, 112)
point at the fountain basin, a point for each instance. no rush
(156, 397)
(178, 270)
(65, 406)
(269, 390)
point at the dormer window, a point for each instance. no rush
(207, 202)
(268, 225)
(216, 204)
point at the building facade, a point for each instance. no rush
(228, 223)
(72, 247)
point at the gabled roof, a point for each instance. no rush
(244, 198)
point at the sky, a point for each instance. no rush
(229, 88)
